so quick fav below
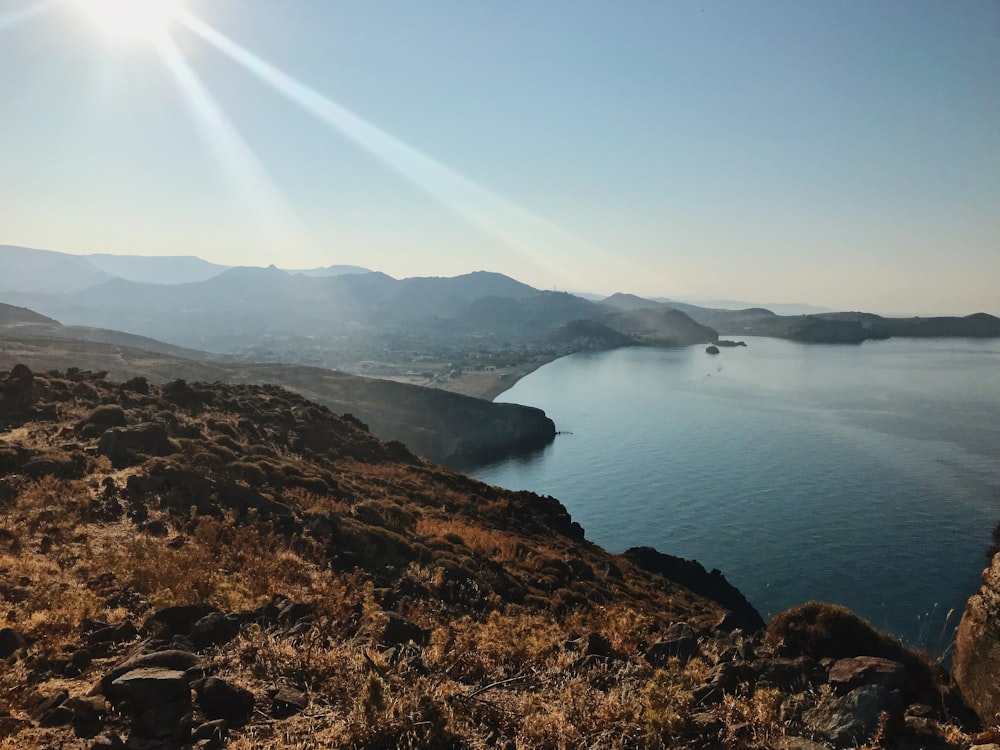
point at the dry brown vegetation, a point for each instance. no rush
(521, 634)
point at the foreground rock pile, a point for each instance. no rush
(232, 566)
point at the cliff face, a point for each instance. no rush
(977, 647)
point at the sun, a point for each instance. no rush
(133, 21)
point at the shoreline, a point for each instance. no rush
(489, 385)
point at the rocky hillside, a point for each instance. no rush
(235, 566)
(448, 428)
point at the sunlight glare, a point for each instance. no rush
(535, 238)
(133, 21)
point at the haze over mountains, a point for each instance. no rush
(24, 269)
(338, 315)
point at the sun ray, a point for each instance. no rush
(536, 238)
(19, 16)
(234, 155)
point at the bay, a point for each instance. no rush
(864, 475)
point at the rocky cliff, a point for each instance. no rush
(977, 646)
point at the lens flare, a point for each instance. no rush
(132, 21)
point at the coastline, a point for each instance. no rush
(489, 385)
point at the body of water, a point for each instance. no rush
(863, 475)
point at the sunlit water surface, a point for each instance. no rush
(863, 475)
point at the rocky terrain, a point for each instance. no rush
(448, 428)
(194, 565)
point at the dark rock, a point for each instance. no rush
(59, 465)
(399, 630)
(137, 384)
(712, 585)
(179, 620)
(10, 642)
(165, 721)
(596, 645)
(88, 715)
(123, 445)
(59, 716)
(791, 675)
(729, 677)
(292, 612)
(100, 419)
(41, 705)
(665, 649)
(287, 702)
(215, 629)
(850, 720)
(848, 674)
(182, 661)
(216, 731)
(711, 349)
(118, 634)
(217, 699)
(148, 687)
(17, 392)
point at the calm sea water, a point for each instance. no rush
(863, 475)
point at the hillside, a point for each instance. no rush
(445, 427)
(236, 566)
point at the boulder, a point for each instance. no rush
(852, 719)
(711, 349)
(102, 418)
(123, 445)
(215, 629)
(178, 620)
(217, 699)
(149, 687)
(172, 659)
(848, 674)
(976, 660)
(10, 642)
(17, 392)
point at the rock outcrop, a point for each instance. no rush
(976, 659)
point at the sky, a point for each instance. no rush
(844, 154)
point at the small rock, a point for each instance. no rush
(217, 699)
(10, 642)
(287, 702)
(216, 731)
(88, 715)
(215, 629)
(149, 687)
(179, 620)
(41, 705)
(59, 716)
(399, 630)
(166, 721)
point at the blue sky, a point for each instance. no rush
(840, 153)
